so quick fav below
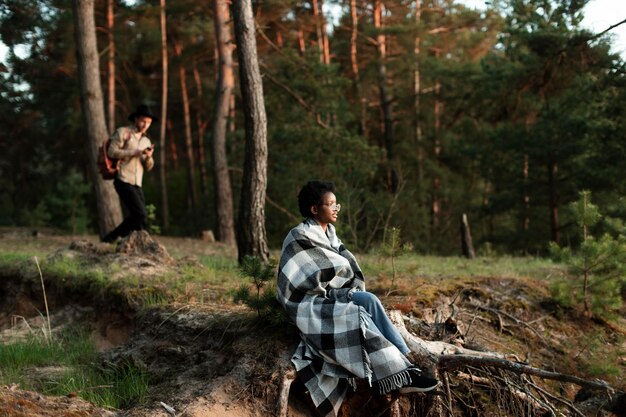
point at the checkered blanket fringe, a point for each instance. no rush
(394, 382)
(316, 276)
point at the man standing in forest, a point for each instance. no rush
(134, 150)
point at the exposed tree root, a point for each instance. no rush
(508, 380)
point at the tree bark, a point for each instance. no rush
(191, 160)
(320, 28)
(354, 65)
(251, 235)
(165, 212)
(466, 238)
(108, 204)
(224, 91)
(201, 127)
(385, 99)
(417, 94)
(301, 42)
(553, 200)
(435, 208)
(111, 65)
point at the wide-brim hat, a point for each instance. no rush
(142, 110)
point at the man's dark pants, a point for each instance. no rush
(132, 197)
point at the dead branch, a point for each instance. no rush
(295, 95)
(453, 362)
(433, 349)
(282, 209)
(287, 378)
(447, 358)
(500, 313)
(525, 397)
(287, 375)
(554, 398)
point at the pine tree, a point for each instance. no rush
(595, 270)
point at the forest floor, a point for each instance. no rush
(210, 357)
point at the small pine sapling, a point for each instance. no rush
(393, 247)
(259, 274)
(596, 269)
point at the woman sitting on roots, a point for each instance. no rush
(345, 331)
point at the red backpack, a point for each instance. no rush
(107, 166)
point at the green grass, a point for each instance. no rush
(71, 356)
(442, 267)
(107, 387)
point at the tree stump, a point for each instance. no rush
(140, 243)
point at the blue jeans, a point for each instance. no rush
(381, 323)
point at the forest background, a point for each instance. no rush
(419, 111)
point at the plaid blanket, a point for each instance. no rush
(315, 279)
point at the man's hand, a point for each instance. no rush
(148, 151)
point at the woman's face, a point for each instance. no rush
(323, 213)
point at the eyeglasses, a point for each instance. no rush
(333, 207)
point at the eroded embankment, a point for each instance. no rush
(30, 306)
(203, 360)
(84, 284)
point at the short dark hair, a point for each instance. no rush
(311, 194)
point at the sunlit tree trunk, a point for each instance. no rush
(108, 204)
(165, 212)
(301, 42)
(320, 27)
(385, 99)
(251, 235)
(191, 161)
(111, 65)
(224, 92)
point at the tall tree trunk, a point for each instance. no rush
(108, 203)
(467, 245)
(164, 62)
(417, 94)
(385, 99)
(320, 27)
(354, 65)
(553, 201)
(191, 161)
(224, 91)
(232, 126)
(301, 42)
(526, 197)
(435, 210)
(111, 65)
(251, 235)
(201, 127)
